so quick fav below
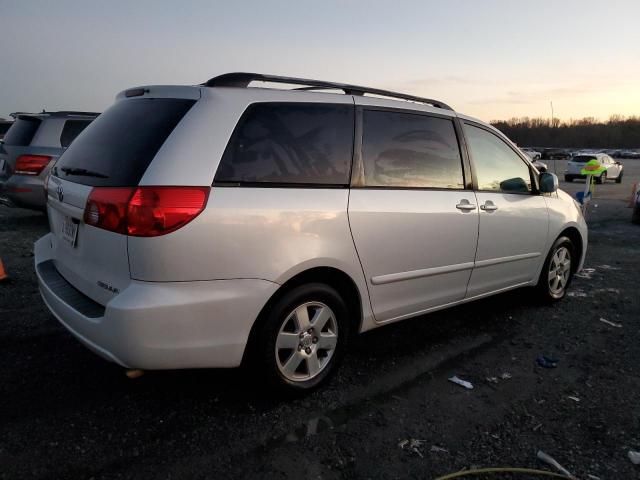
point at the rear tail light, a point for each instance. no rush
(31, 164)
(144, 211)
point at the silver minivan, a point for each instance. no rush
(222, 224)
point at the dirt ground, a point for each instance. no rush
(65, 413)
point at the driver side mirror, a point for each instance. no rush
(548, 182)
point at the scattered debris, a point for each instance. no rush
(575, 399)
(547, 362)
(586, 273)
(576, 293)
(435, 448)
(492, 379)
(552, 461)
(608, 267)
(462, 383)
(505, 376)
(412, 445)
(592, 477)
(537, 427)
(634, 457)
(608, 322)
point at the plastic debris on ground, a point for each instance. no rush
(586, 273)
(462, 383)
(609, 322)
(437, 449)
(634, 457)
(412, 445)
(576, 293)
(575, 399)
(548, 459)
(547, 362)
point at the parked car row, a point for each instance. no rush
(28, 150)
(613, 169)
(223, 223)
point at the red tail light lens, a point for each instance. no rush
(31, 164)
(144, 211)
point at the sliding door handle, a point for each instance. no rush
(465, 205)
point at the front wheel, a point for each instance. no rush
(303, 338)
(557, 271)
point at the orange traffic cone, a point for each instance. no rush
(3, 274)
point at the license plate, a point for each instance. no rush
(70, 230)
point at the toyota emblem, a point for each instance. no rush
(60, 192)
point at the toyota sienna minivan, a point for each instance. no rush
(226, 224)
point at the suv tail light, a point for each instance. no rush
(144, 211)
(31, 164)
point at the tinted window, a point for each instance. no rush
(408, 150)
(290, 143)
(22, 131)
(71, 130)
(497, 166)
(120, 143)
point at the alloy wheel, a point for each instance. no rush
(306, 341)
(559, 271)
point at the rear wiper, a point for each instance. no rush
(83, 172)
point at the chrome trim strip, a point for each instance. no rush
(425, 272)
(513, 258)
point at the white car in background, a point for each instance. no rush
(535, 156)
(614, 169)
(532, 154)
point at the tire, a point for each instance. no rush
(542, 170)
(554, 289)
(602, 178)
(568, 178)
(635, 216)
(289, 357)
(619, 178)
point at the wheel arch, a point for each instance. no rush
(335, 278)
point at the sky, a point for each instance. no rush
(491, 59)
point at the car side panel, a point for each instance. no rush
(261, 233)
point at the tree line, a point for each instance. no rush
(617, 132)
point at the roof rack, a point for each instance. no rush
(242, 80)
(60, 112)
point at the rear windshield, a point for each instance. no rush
(22, 131)
(583, 158)
(71, 130)
(117, 148)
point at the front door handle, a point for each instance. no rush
(488, 206)
(465, 205)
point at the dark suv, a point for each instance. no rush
(29, 149)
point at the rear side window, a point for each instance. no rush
(117, 148)
(410, 150)
(583, 158)
(293, 143)
(71, 130)
(22, 131)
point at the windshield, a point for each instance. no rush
(583, 158)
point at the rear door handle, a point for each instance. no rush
(465, 205)
(488, 206)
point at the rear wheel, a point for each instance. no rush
(303, 338)
(619, 178)
(557, 271)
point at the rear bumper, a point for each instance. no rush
(159, 325)
(26, 191)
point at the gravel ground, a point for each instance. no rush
(65, 413)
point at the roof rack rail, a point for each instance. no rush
(60, 112)
(242, 80)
